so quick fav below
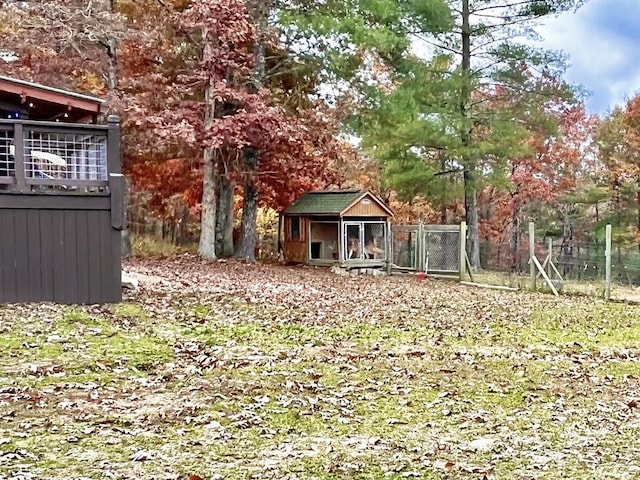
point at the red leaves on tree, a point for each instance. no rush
(555, 168)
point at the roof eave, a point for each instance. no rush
(52, 94)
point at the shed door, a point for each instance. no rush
(365, 240)
(353, 238)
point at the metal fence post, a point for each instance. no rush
(463, 250)
(532, 253)
(607, 253)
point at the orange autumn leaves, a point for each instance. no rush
(554, 167)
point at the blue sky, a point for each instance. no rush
(602, 40)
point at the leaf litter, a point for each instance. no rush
(226, 370)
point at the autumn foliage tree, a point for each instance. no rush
(229, 105)
(248, 138)
(539, 182)
(182, 76)
(619, 146)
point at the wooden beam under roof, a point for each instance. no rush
(53, 95)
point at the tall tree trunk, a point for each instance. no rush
(246, 248)
(443, 210)
(567, 239)
(207, 247)
(224, 220)
(470, 171)
(248, 228)
(112, 65)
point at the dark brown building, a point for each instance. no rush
(61, 197)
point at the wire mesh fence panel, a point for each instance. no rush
(405, 247)
(442, 250)
(503, 264)
(586, 261)
(574, 265)
(579, 260)
(625, 265)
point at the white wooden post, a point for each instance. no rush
(463, 250)
(607, 274)
(420, 249)
(550, 254)
(532, 253)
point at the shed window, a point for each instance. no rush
(294, 229)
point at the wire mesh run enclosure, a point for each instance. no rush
(61, 212)
(429, 248)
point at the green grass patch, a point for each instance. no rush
(142, 352)
(592, 326)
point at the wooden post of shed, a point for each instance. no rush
(20, 171)
(389, 248)
(114, 147)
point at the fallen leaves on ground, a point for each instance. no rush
(257, 371)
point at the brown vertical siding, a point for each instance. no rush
(60, 249)
(295, 252)
(370, 209)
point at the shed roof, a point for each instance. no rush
(330, 202)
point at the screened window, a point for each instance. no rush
(294, 229)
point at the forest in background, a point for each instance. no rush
(445, 108)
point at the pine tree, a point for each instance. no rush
(489, 80)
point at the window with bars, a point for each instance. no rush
(7, 162)
(65, 156)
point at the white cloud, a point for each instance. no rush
(602, 40)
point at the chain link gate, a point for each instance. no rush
(436, 249)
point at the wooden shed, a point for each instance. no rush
(336, 227)
(61, 197)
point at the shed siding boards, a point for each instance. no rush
(296, 252)
(296, 249)
(66, 255)
(366, 208)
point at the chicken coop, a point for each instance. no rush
(61, 196)
(350, 228)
